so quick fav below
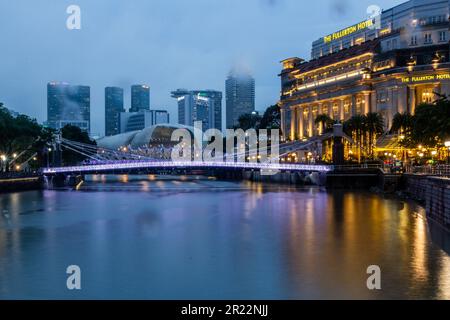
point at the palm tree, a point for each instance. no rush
(326, 123)
(355, 127)
(374, 126)
(402, 123)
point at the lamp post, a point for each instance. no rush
(3, 159)
(48, 157)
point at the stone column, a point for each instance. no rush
(402, 100)
(311, 122)
(353, 107)
(293, 123)
(394, 103)
(367, 108)
(319, 108)
(330, 109)
(412, 99)
(445, 87)
(320, 112)
(300, 122)
(283, 123)
(436, 89)
(341, 109)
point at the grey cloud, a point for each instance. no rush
(167, 44)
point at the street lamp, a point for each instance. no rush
(4, 158)
(48, 157)
(433, 155)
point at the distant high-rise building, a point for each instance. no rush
(67, 104)
(140, 98)
(134, 121)
(160, 116)
(113, 108)
(199, 105)
(240, 96)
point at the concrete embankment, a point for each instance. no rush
(363, 179)
(20, 184)
(434, 192)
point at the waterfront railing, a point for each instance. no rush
(437, 170)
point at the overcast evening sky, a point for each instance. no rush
(167, 44)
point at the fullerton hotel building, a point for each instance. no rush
(389, 64)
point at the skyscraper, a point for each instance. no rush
(199, 105)
(113, 108)
(140, 98)
(240, 96)
(160, 116)
(67, 104)
(134, 121)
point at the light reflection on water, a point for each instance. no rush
(195, 238)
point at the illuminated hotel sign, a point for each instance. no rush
(429, 77)
(350, 30)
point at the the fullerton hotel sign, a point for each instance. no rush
(424, 78)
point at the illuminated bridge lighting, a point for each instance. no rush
(130, 165)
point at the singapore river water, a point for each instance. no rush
(196, 238)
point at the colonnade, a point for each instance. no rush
(301, 118)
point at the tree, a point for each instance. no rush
(325, 122)
(355, 127)
(402, 123)
(374, 126)
(20, 135)
(431, 123)
(271, 118)
(74, 133)
(248, 121)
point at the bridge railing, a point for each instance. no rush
(130, 165)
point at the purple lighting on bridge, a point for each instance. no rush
(176, 165)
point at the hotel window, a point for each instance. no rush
(305, 119)
(427, 95)
(428, 39)
(358, 106)
(360, 40)
(382, 96)
(394, 44)
(346, 108)
(414, 40)
(442, 36)
(335, 111)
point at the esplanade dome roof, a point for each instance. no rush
(160, 133)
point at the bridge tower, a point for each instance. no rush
(338, 144)
(57, 154)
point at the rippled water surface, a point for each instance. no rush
(147, 238)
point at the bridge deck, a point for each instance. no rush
(135, 165)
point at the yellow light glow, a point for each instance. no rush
(348, 31)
